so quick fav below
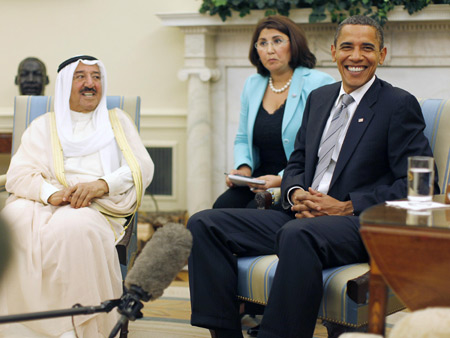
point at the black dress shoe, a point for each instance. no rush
(224, 333)
(253, 332)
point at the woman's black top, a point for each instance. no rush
(267, 139)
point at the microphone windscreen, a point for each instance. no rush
(161, 259)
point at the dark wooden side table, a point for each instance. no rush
(410, 253)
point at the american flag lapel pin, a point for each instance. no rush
(360, 120)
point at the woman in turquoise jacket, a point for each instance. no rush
(272, 104)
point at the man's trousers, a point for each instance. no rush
(304, 246)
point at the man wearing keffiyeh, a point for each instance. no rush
(77, 174)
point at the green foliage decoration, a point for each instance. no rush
(337, 9)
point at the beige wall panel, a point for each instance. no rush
(141, 56)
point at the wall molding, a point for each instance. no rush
(301, 16)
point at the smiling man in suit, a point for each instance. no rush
(350, 153)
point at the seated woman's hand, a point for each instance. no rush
(243, 171)
(272, 181)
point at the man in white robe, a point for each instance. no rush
(77, 174)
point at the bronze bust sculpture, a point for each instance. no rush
(31, 77)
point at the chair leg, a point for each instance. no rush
(124, 330)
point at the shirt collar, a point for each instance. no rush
(357, 94)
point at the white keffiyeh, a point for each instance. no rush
(102, 140)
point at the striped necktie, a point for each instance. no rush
(331, 138)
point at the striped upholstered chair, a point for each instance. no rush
(345, 298)
(27, 108)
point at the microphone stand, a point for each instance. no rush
(129, 306)
(77, 309)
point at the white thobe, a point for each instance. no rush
(62, 256)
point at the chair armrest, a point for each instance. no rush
(358, 288)
(267, 198)
(263, 199)
(2, 182)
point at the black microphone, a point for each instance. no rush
(156, 267)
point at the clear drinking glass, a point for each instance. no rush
(420, 179)
(419, 218)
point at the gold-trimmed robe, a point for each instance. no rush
(64, 256)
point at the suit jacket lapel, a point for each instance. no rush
(360, 121)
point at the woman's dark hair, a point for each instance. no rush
(300, 53)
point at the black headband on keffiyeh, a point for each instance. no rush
(74, 59)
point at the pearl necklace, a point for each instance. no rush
(281, 89)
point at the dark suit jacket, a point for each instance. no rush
(386, 128)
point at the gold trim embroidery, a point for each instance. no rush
(58, 157)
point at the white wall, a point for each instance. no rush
(141, 56)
